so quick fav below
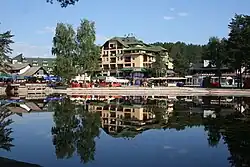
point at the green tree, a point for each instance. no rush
(63, 3)
(88, 52)
(159, 67)
(5, 41)
(180, 64)
(5, 131)
(188, 54)
(64, 48)
(238, 44)
(215, 52)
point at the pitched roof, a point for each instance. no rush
(18, 66)
(131, 43)
(119, 39)
(18, 57)
(33, 106)
(127, 41)
(148, 48)
(31, 71)
(41, 61)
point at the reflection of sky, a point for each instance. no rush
(33, 144)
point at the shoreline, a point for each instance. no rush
(140, 91)
(157, 91)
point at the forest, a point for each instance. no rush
(183, 55)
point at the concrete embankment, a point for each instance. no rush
(139, 91)
(157, 91)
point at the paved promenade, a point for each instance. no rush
(157, 91)
(143, 91)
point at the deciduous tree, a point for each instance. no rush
(215, 52)
(64, 48)
(88, 53)
(64, 3)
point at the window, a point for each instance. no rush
(107, 59)
(133, 64)
(133, 58)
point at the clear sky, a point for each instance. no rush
(192, 21)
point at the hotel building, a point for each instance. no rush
(121, 54)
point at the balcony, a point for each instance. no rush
(105, 68)
(119, 66)
(127, 59)
(113, 60)
(112, 67)
(128, 65)
(112, 53)
(112, 47)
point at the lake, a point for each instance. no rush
(104, 131)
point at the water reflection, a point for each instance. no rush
(6, 138)
(5, 130)
(77, 121)
(75, 130)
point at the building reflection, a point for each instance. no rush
(128, 113)
(6, 135)
(223, 118)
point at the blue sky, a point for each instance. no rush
(192, 21)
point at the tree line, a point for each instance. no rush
(232, 51)
(183, 55)
(76, 51)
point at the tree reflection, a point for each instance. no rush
(213, 127)
(236, 134)
(5, 131)
(75, 130)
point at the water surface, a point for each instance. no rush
(126, 131)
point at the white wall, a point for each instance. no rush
(24, 70)
(14, 61)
